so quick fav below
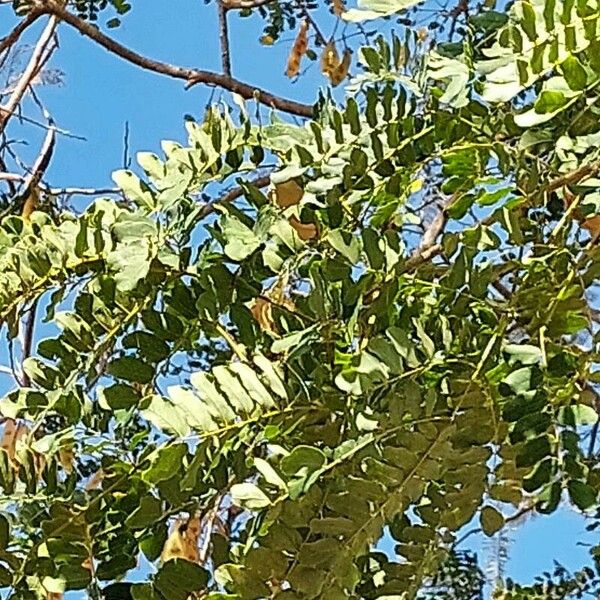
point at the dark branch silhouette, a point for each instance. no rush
(190, 76)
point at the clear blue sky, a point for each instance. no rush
(101, 93)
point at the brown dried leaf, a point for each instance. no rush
(591, 224)
(39, 464)
(66, 457)
(31, 203)
(305, 231)
(263, 314)
(9, 438)
(54, 596)
(288, 193)
(95, 480)
(298, 50)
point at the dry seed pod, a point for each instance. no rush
(174, 546)
(298, 50)
(339, 7)
(183, 541)
(329, 59)
(341, 71)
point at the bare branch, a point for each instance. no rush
(58, 191)
(27, 331)
(38, 57)
(224, 37)
(191, 76)
(42, 161)
(12, 38)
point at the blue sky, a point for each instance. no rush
(101, 93)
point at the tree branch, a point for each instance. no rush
(27, 340)
(191, 76)
(12, 38)
(232, 195)
(224, 38)
(36, 62)
(42, 161)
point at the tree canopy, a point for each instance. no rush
(313, 324)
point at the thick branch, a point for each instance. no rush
(574, 177)
(191, 76)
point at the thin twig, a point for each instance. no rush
(11, 39)
(126, 157)
(42, 161)
(58, 191)
(34, 65)
(209, 523)
(27, 340)
(232, 195)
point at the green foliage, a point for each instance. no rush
(309, 373)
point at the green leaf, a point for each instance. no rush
(574, 73)
(134, 188)
(526, 354)
(177, 579)
(241, 241)
(249, 496)
(581, 494)
(147, 513)
(491, 520)
(374, 9)
(130, 368)
(303, 457)
(549, 102)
